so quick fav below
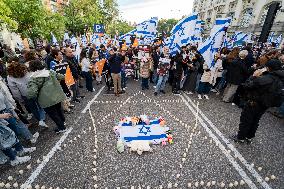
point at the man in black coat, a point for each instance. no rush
(177, 69)
(261, 95)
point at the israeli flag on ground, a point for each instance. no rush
(153, 132)
(182, 33)
(147, 30)
(54, 40)
(214, 42)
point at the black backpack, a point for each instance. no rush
(274, 96)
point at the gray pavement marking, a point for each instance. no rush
(92, 101)
(228, 144)
(57, 146)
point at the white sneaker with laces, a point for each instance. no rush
(20, 160)
(206, 97)
(42, 124)
(189, 93)
(199, 97)
(26, 150)
(35, 137)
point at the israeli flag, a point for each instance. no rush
(240, 37)
(147, 30)
(197, 39)
(54, 40)
(66, 36)
(278, 40)
(84, 41)
(182, 33)
(74, 41)
(271, 37)
(214, 42)
(153, 132)
(127, 36)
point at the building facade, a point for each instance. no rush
(247, 15)
(54, 5)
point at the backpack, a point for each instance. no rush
(274, 96)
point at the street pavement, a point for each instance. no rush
(202, 155)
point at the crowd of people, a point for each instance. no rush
(34, 83)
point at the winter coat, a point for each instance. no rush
(45, 86)
(19, 86)
(206, 76)
(145, 69)
(115, 62)
(237, 72)
(216, 72)
(163, 67)
(7, 138)
(74, 67)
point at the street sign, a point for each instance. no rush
(99, 28)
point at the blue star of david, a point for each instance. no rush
(144, 132)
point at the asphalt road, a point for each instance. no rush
(202, 155)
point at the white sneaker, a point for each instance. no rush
(35, 137)
(189, 93)
(20, 160)
(154, 87)
(233, 104)
(30, 116)
(26, 150)
(42, 124)
(199, 97)
(206, 97)
(214, 90)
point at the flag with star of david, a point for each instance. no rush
(153, 132)
(182, 33)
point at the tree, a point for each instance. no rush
(166, 25)
(55, 23)
(119, 26)
(5, 16)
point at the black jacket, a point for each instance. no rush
(115, 62)
(237, 72)
(74, 66)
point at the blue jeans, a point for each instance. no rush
(198, 81)
(35, 109)
(19, 128)
(123, 79)
(89, 80)
(9, 152)
(204, 88)
(145, 83)
(161, 84)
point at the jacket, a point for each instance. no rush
(74, 67)
(19, 86)
(145, 69)
(206, 76)
(45, 86)
(237, 72)
(115, 62)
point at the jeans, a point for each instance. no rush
(176, 83)
(36, 110)
(145, 83)
(123, 79)
(89, 80)
(204, 88)
(230, 92)
(198, 81)
(55, 112)
(155, 76)
(19, 128)
(9, 152)
(161, 84)
(116, 77)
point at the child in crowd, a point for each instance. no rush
(145, 72)
(204, 85)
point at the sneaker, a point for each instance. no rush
(214, 90)
(42, 124)
(30, 116)
(154, 87)
(162, 91)
(233, 104)
(26, 150)
(199, 97)
(35, 137)
(57, 131)
(155, 93)
(76, 101)
(206, 97)
(81, 97)
(189, 93)
(236, 139)
(248, 140)
(20, 160)
(176, 92)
